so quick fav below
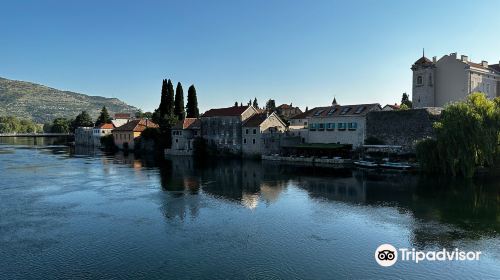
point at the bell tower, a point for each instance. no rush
(423, 93)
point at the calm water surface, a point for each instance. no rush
(68, 214)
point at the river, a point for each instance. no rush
(81, 214)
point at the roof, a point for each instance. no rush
(255, 120)
(284, 106)
(423, 61)
(345, 110)
(136, 125)
(395, 106)
(495, 67)
(302, 115)
(122, 116)
(106, 126)
(226, 112)
(188, 123)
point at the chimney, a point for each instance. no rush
(464, 58)
(454, 55)
(484, 63)
(434, 59)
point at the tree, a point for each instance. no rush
(271, 105)
(170, 100)
(83, 119)
(179, 109)
(255, 104)
(249, 102)
(192, 103)
(404, 107)
(307, 108)
(162, 109)
(236, 104)
(61, 125)
(466, 137)
(103, 117)
(406, 100)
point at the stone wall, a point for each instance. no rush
(402, 128)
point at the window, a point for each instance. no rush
(244, 140)
(321, 127)
(430, 79)
(312, 127)
(254, 131)
(330, 126)
(420, 80)
(360, 109)
(253, 141)
(318, 113)
(176, 140)
(331, 111)
(195, 133)
(246, 131)
(345, 110)
(341, 126)
(353, 126)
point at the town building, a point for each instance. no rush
(221, 127)
(101, 131)
(390, 107)
(439, 82)
(183, 135)
(338, 124)
(83, 136)
(121, 119)
(126, 136)
(261, 134)
(287, 111)
(297, 127)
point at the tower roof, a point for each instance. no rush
(423, 61)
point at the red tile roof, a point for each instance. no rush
(136, 125)
(188, 123)
(395, 106)
(302, 115)
(106, 126)
(226, 112)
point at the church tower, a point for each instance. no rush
(423, 94)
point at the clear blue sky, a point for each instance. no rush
(305, 52)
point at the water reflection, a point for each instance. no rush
(469, 208)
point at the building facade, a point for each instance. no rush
(126, 136)
(221, 128)
(83, 136)
(101, 131)
(261, 134)
(287, 111)
(183, 135)
(449, 79)
(339, 124)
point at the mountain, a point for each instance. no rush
(43, 104)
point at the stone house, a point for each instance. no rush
(183, 136)
(439, 82)
(127, 135)
(121, 119)
(297, 126)
(101, 131)
(261, 134)
(338, 124)
(221, 127)
(287, 111)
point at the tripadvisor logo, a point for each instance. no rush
(387, 255)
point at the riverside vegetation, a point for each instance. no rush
(467, 137)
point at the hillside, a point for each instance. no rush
(43, 104)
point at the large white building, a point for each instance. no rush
(439, 82)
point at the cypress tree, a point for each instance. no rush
(179, 102)
(170, 100)
(255, 104)
(103, 117)
(162, 109)
(192, 103)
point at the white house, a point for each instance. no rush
(439, 82)
(101, 131)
